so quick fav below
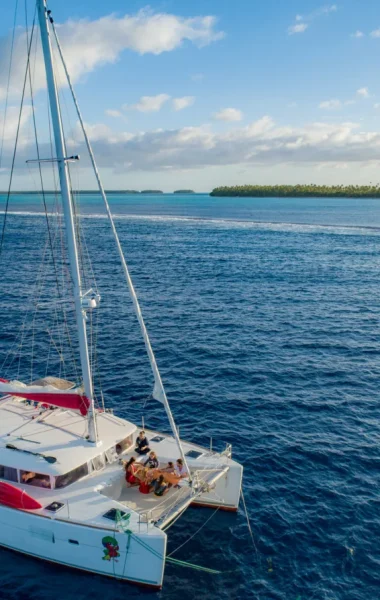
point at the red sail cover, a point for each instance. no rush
(47, 395)
(16, 498)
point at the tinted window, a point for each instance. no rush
(8, 473)
(98, 462)
(124, 444)
(36, 479)
(64, 480)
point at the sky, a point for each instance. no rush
(202, 93)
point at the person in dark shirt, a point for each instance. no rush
(152, 461)
(142, 444)
(160, 487)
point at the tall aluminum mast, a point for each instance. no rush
(158, 390)
(68, 216)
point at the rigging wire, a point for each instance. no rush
(194, 534)
(17, 136)
(45, 206)
(158, 390)
(8, 83)
(87, 271)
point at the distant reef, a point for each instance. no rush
(299, 191)
(152, 192)
(28, 192)
(109, 191)
(184, 192)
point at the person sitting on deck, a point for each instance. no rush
(180, 469)
(159, 486)
(152, 461)
(131, 471)
(142, 444)
(169, 468)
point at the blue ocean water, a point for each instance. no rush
(264, 315)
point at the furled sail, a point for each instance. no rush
(47, 394)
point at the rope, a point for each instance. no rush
(194, 534)
(16, 140)
(45, 208)
(249, 523)
(8, 83)
(172, 560)
(183, 563)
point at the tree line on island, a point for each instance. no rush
(299, 191)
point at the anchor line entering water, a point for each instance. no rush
(249, 524)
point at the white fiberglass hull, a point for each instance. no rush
(102, 551)
(88, 518)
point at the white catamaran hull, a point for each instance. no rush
(136, 558)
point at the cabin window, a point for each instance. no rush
(125, 444)
(111, 455)
(8, 473)
(72, 476)
(98, 462)
(36, 479)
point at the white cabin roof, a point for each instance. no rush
(59, 433)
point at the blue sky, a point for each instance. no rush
(197, 94)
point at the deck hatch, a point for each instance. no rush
(54, 506)
(194, 454)
(157, 438)
(113, 514)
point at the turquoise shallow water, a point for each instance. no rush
(264, 314)
(321, 211)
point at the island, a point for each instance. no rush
(299, 191)
(152, 192)
(184, 192)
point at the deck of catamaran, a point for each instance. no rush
(89, 480)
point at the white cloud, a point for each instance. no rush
(259, 143)
(302, 21)
(113, 113)
(333, 104)
(10, 127)
(375, 33)
(325, 10)
(363, 92)
(298, 28)
(376, 105)
(102, 41)
(228, 114)
(184, 102)
(357, 34)
(149, 103)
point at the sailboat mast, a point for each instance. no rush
(68, 216)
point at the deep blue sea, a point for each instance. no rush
(264, 315)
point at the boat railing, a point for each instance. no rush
(203, 481)
(226, 452)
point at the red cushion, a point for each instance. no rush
(144, 488)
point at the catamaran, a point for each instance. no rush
(63, 493)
